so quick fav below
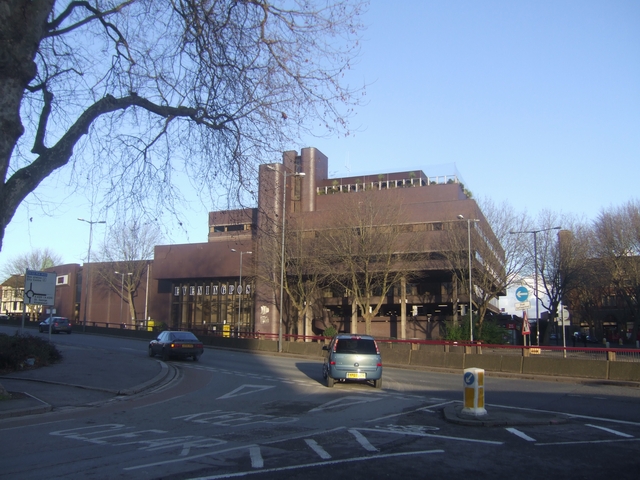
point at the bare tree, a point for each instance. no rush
(39, 259)
(304, 276)
(562, 257)
(366, 250)
(124, 259)
(617, 233)
(498, 257)
(134, 92)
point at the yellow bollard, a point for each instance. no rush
(474, 392)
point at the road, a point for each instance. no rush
(237, 414)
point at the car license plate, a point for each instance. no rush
(187, 346)
(356, 375)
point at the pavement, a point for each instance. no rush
(84, 377)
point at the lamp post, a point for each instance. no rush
(469, 220)
(122, 291)
(88, 298)
(535, 268)
(284, 208)
(240, 287)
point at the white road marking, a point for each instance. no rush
(421, 409)
(520, 434)
(233, 419)
(568, 415)
(256, 457)
(615, 432)
(583, 442)
(369, 458)
(322, 453)
(344, 402)
(192, 457)
(362, 440)
(430, 435)
(245, 390)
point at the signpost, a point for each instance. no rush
(39, 289)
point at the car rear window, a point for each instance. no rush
(356, 345)
(184, 336)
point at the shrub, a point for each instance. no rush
(330, 332)
(16, 349)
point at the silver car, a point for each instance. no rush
(354, 358)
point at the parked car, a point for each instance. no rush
(58, 324)
(352, 358)
(176, 344)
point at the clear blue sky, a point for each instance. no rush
(534, 102)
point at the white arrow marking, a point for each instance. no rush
(248, 389)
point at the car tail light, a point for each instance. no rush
(199, 345)
(332, 362)
(379, 364)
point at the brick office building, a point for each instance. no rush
(217, 286)
(199, 284)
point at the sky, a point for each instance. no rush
(536, 103)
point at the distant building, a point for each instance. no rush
(13, 295)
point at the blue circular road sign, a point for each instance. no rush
(469, 378)
(522, 293)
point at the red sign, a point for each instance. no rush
(526, 329)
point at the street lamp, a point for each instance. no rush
(284, 207)
(469, 220)
(535, 268)
(240, 287)
(88, 299)
(122, 291)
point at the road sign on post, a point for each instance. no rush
(39, 288)
(522, 294)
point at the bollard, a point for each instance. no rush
(474, 392)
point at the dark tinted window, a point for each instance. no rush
(351, 345)
(184, 336)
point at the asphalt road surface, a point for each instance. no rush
(236, 414)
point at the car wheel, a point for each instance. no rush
(377, 383)
(151, 354)
(330, 381)
(196, 358)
